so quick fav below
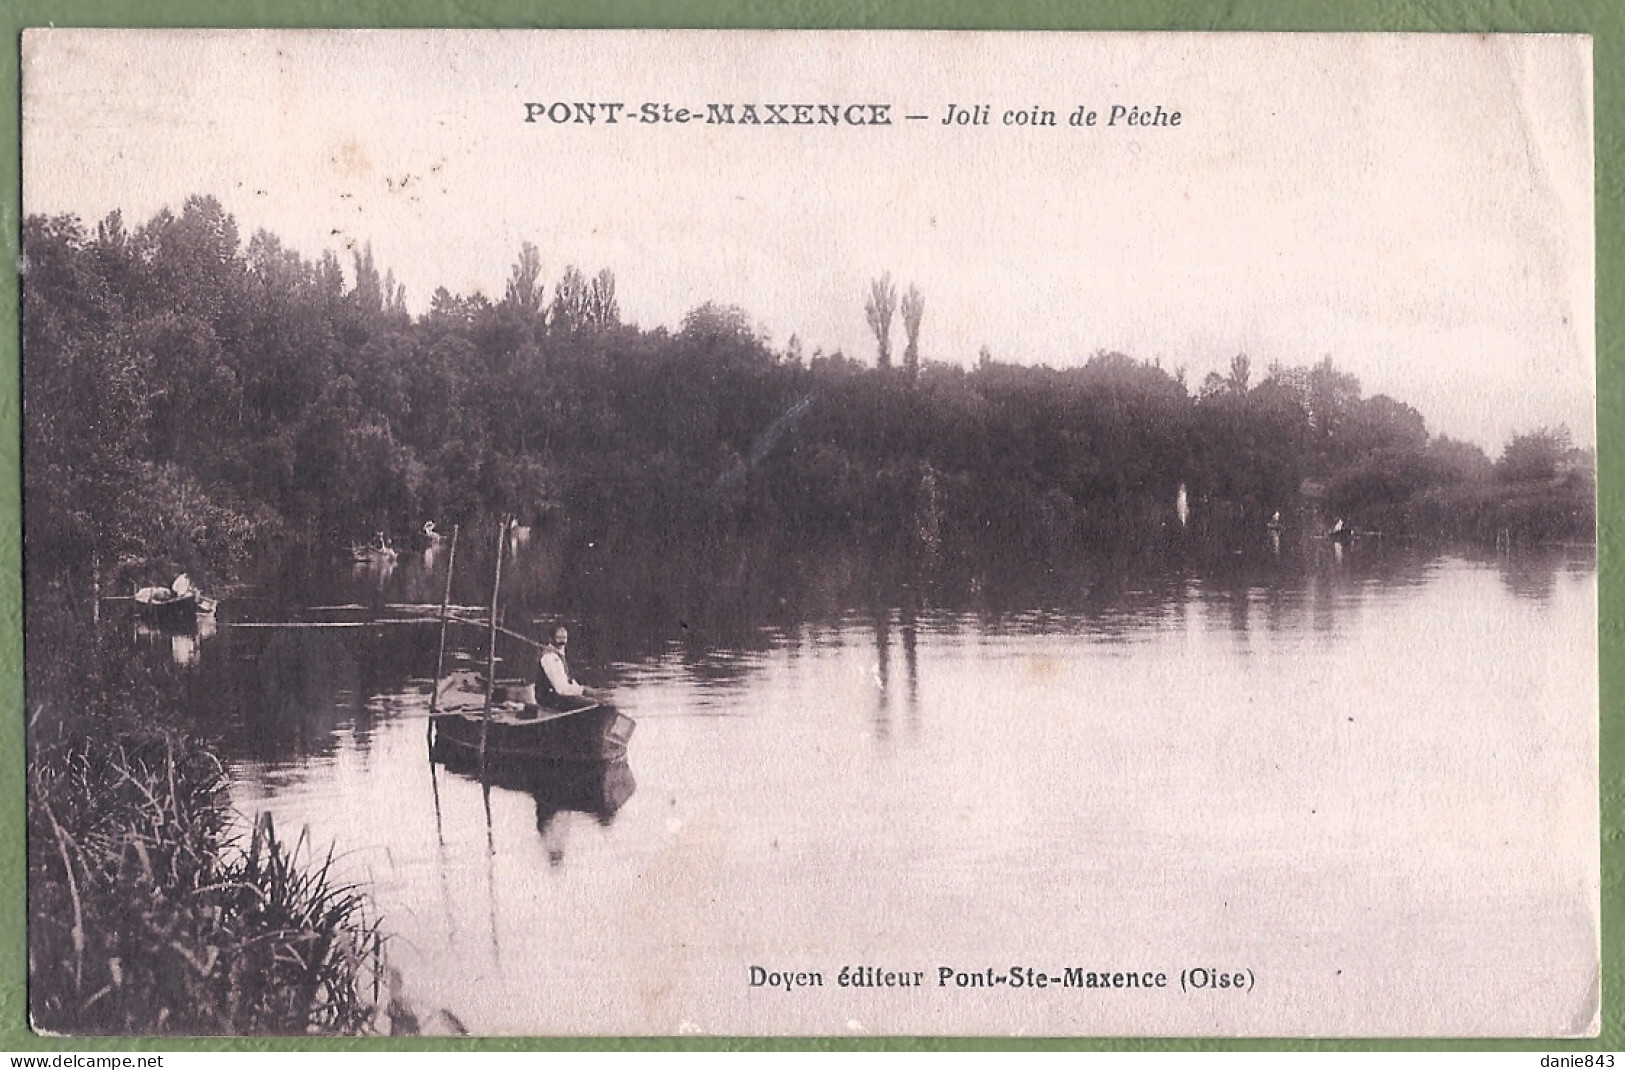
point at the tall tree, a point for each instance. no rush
(1534, 456)
(369, 284)
(1331, 396)
(524, 292)
(1241, 367)
(570, 301)
(602, 309)
(913, 312)
(880, 307)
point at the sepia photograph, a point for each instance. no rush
(586, 533)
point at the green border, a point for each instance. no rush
(1603, 19)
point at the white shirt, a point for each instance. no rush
(558, 674)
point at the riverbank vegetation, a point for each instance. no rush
(191, 400)
(190, 396)
(147, 914)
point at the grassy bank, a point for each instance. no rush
(146, 914)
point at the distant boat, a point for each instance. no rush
(166, 606)
(1274, 522)
(431, 534)
(176, 605)
(1340, 534)
(520, 731)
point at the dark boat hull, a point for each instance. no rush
(176, 611)
(594, 733)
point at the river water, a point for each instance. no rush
(1363, 780)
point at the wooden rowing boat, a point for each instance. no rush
(167, 606)
(470, 716)
(582, 731)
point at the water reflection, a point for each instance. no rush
(1534, 576)
(375, 571)
(183, 639)
(881, 617)
(184, 649)
(721, 611)
(911, 654)
(308, 685)
(807, 720)
(560, 789)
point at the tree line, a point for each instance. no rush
(189, 398)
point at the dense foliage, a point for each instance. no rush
(188, 395)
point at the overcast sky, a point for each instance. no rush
(1417, 208)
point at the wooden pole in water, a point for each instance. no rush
(440, 658)
(96, 605)
(491, 658)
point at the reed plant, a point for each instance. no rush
(148, 917)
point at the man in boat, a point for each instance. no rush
(555, 688)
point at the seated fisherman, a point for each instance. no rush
(555, 687)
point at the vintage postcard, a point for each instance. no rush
(790, 533)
